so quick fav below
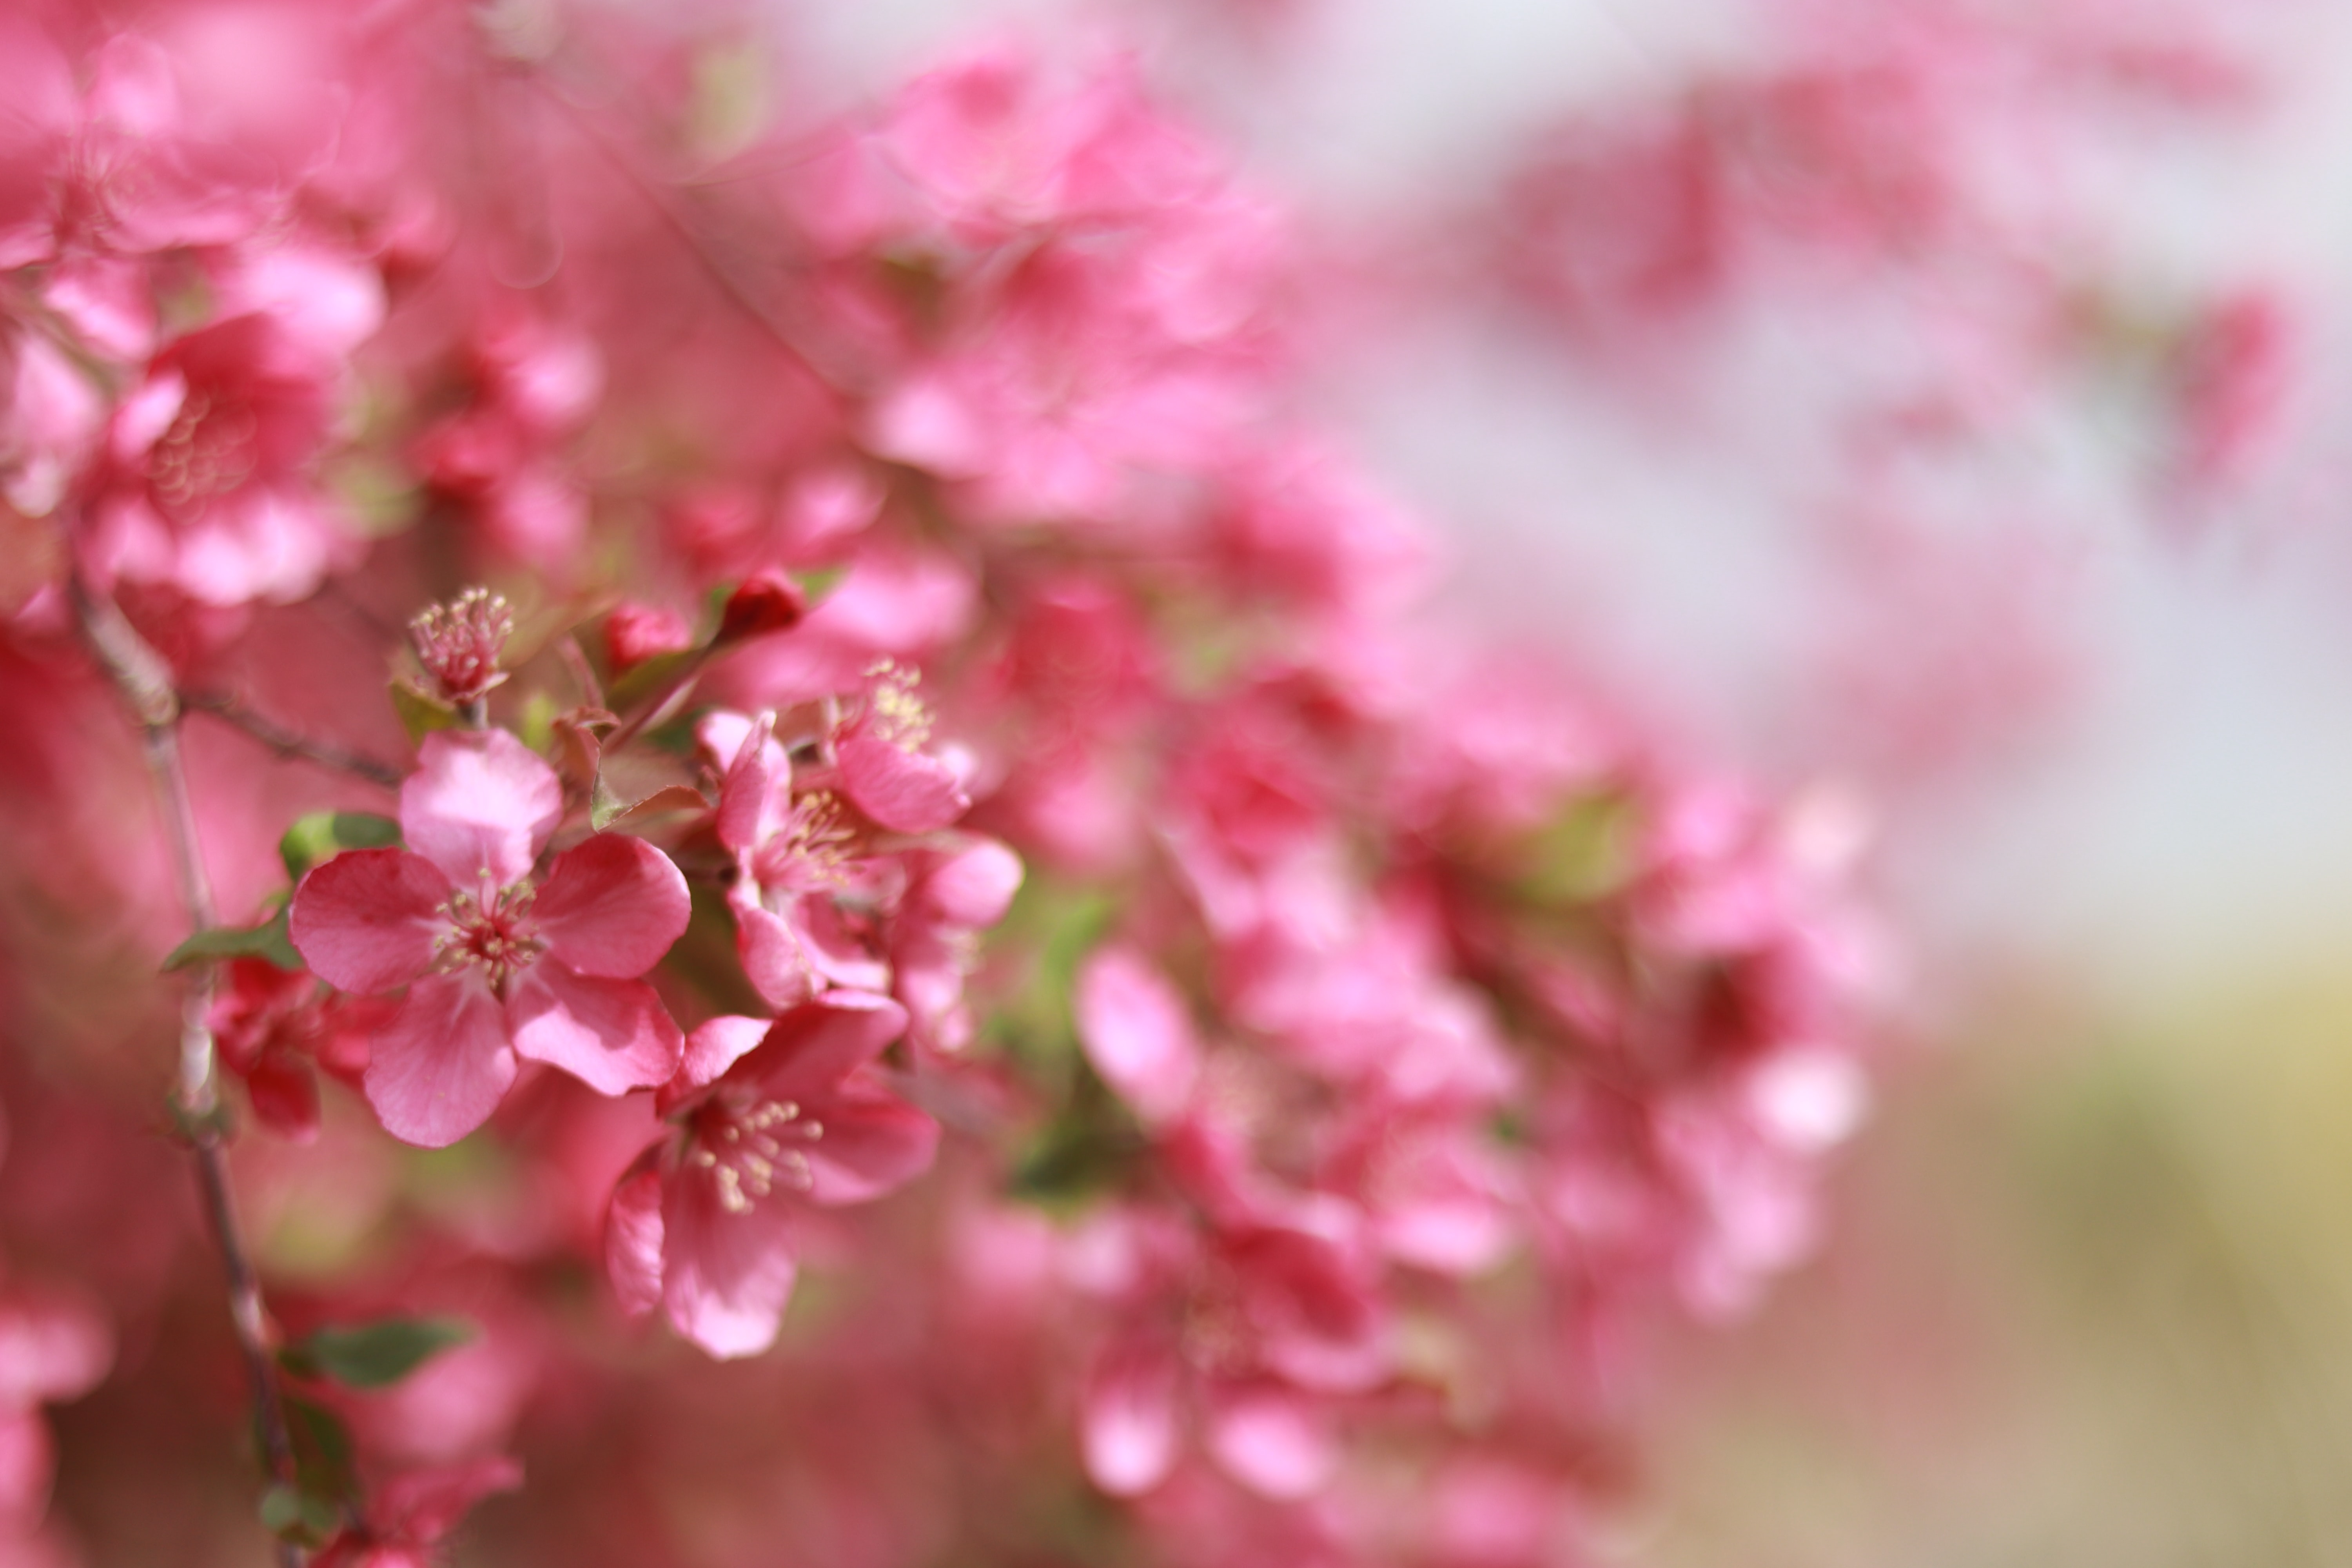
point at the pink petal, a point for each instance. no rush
(1271, 1440)
(27, 1462)
(974, 886)
(425, 1505)
(816, 1045)
(612, 1034)
(366, 921)
(773, 958)
(480, 805)
(726, 1276)
(53, 1345)
(1127, 1418)
(873, 1142)
(750, 794)
(611, 906)
(438, 1069)
(904, 791)
(1137, 1033)
(633, 1240)
(713, 1047)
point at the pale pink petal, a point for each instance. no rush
(904, 791)
(757, 774)
(612, 1034)
(367, 919)
(480, 805)
(726, 1275)
(773, 958)
(53, 1345)
(27, 1461)
(715, 1045)
(1137, 1033)
(633, 1240)
(1270, 1438)
(441, 1065)
(837, 950)
(974, 886)
(611, 906)
(872, 1143)
(816, 1045)
(1128, 1418)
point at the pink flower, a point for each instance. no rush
(411, 1513)
(767, 1115)
(497, 966)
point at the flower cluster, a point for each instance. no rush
(943, 960)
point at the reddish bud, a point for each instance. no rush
(767, 602)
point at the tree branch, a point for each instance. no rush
(144, 682)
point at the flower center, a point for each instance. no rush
(752, 1147)
(808, 853)
(208, 451)
(498, 935)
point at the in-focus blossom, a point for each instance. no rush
(499, 966)
(766, 1115)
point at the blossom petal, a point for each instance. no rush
(611, 906)
(441, 1065)
(367, 919)
(755, 787)
(873, 1142)
(904, 791)
(1137, 1033)
(480, 805)
(633, 1240)
(53, 1345)
(716, 1044)
(816, 1045)
(773, 958)
(612, 1034)
(974, 886)
(726, 1275)
(1127, 1418)
(1271, 1440)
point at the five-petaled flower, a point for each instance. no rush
(768, 1114)
(497, 966)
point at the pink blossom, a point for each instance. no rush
(498, 966)
(767, 1115)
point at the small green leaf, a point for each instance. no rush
(819, 583)
(267, 939)
(291, 1514)
(323, 835)
(324, 1456)
(420, 712)
(375, 1356)
(604, 805)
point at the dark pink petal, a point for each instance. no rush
(366, 921)
(285, 1095)
(1270, 1438)
(816, 1045)
(873, 1142)
(1128, 1417)
(480, 805)
(773, 958)
(612, 1034)
(611, 906)
(726, 1275)
(1137, 1033)
(713, 1047)
(972, 888)
(904, 791)
(633, 1240)
(438, 1069)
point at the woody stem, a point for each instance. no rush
(143, 680)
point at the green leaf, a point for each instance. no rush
(325, 1460)
(375, 1356)
(267, 939)
(323, 835)
(1586, 852)
(291, 1514)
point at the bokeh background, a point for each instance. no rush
(2088, 1294)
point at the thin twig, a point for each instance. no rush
(289, 743)
(144, 682)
